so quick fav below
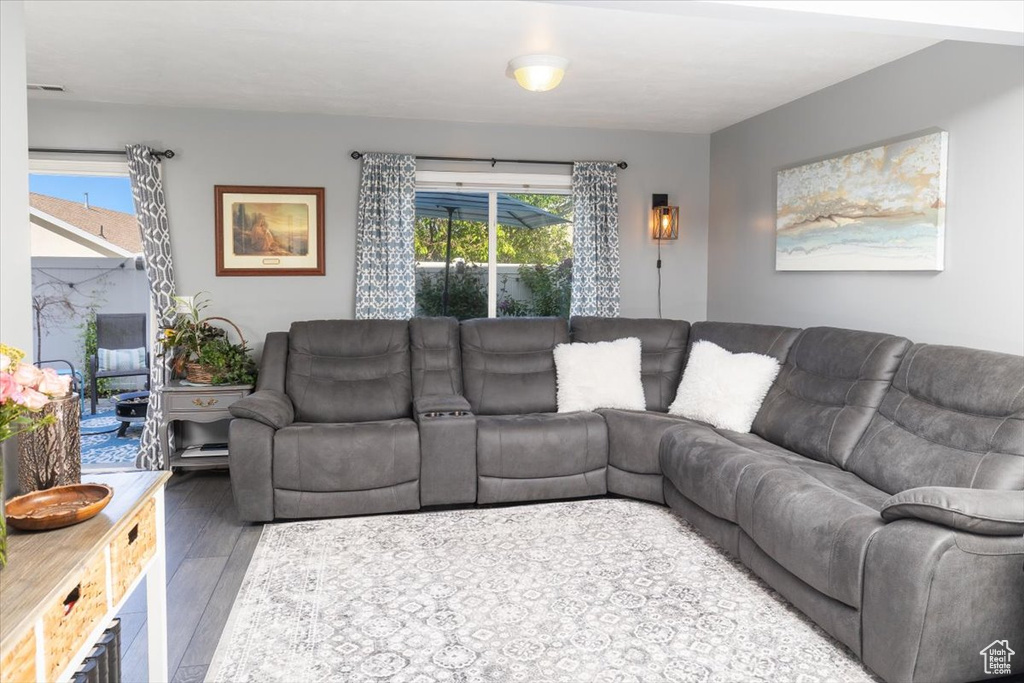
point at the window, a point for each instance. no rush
(511, 244)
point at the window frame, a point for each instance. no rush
(87, 167)
(491, 184)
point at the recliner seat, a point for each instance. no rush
(344, 441)
(633, 436)
(525, 449)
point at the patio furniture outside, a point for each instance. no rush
(118, 331)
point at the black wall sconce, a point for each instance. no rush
(664, 226)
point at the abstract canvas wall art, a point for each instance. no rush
(882, 208)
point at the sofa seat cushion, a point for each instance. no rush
(707, 466)
(346, 456)
(816, 522)
(541, 445)
(634, 437)
(812, 518)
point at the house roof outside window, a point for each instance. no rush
(75, 229)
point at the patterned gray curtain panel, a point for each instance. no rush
(148, 192)
(595, 239)
(385, 258)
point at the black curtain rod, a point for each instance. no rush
(492, 161)
(166, 154)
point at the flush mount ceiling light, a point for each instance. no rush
(537, 73)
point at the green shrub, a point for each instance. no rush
(550, 288)
(467, 292)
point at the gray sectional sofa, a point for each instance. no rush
(881, 489)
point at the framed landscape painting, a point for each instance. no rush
(269, 230)
(882, 208)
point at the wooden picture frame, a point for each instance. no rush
(264, 230)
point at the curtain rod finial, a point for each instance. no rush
(356, 155)
(622, 164)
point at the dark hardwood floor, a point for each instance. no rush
(208, 551)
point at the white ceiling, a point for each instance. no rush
(647, 70)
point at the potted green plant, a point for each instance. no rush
(203, 353)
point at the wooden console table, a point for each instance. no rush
(61, 588)
(196, 404)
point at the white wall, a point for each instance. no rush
(248, 148)
(974, 91)
(101, 285)
(15, 248)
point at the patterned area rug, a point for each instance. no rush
(101, 446)
(601, 590)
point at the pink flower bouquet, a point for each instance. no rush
(24, 389)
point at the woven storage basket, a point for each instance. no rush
(131, 549)
(19, 664)
(204, 374)
(68, 620)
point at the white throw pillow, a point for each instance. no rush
(599, 375)
(724, 389)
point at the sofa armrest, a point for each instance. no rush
(251, 461)
(933, 597)
(268, 406)
(978, 511)
(433, 406)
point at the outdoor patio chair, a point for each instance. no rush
(119, 332)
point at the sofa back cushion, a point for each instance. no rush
(508, 364)
(349, 370)
(768, 340)
(953, 417)
(662, 349)
(828, 390)
(436, 356)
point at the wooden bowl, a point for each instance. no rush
(57, 507)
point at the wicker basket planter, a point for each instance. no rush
(197, 373)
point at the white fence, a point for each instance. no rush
(509, 283)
